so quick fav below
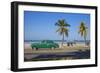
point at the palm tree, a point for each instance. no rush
(83, 30)
(63, 30)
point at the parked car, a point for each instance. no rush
(44, 44)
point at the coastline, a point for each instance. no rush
(65, 48)
(77, 51)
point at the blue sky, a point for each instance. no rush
(41, 25)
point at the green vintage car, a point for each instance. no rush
(44, 44)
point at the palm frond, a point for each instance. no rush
(62, 23)
(68, 25)
(83, 29)
(58, 30)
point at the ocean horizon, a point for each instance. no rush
(57, 41)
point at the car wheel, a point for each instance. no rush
(33, 48)
(36, 48)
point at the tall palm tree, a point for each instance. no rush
(83, 30)
(63, 30)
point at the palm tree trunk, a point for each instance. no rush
(85, 40)
(62, 40)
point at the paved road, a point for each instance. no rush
(56, 50)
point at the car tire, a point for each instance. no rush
(36, 48)
(33, 48)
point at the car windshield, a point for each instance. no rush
(47, 41)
